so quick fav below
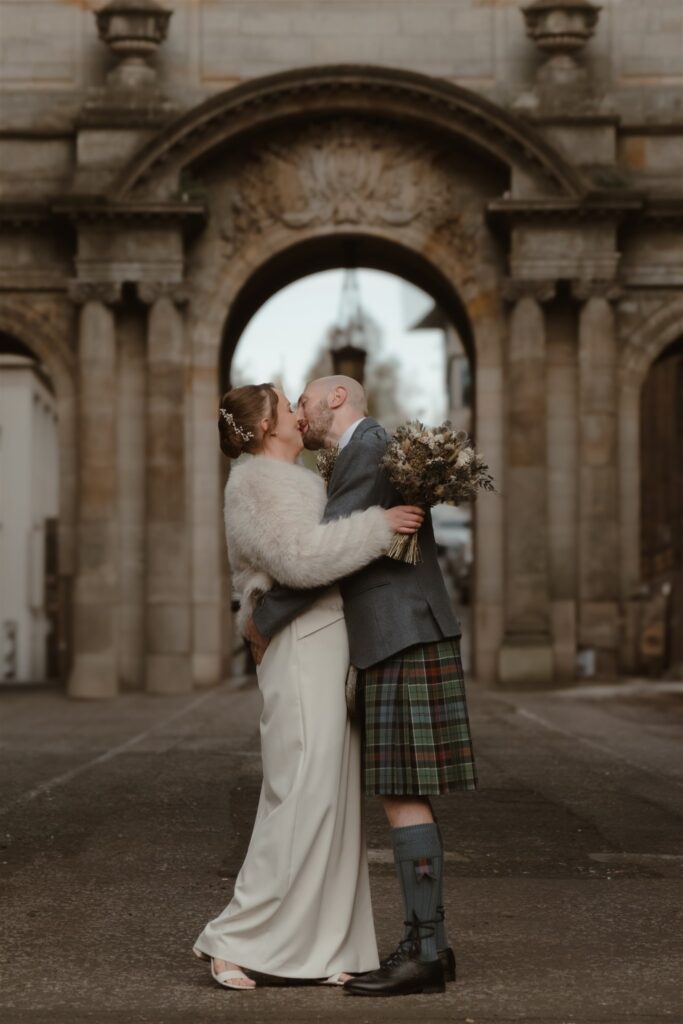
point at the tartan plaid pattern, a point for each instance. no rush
(416, 732)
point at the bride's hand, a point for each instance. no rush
(405, 518)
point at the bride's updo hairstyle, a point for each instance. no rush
(240, 415)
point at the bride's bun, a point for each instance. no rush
(231, 444)
(239, 418)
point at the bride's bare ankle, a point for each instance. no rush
(221, 966)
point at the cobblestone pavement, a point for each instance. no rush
(123, 825)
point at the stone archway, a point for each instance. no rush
(311, 157)
(406, 98)
(293, 204)
(51, 346)
(333, 250)
(647, 341)
(649, 338)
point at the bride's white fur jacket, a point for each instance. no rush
(273, 513)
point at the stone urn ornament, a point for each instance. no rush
(133, 30)
(561, 29)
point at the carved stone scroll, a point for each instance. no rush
(344, 173)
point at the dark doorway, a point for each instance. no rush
(661, 537)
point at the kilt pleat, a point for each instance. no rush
(416, 731)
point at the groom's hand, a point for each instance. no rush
(257, 641)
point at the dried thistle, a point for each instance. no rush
(432, 466)
(325, 461)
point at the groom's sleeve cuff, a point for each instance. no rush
(261, 618)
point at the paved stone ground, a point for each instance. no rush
(124, 824)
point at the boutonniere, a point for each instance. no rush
(325, 461)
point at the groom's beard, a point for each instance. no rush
(319, 422)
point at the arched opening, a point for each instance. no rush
(29, 518)
(413, 316)
(331, 252)
(298, 168)
(403, 97)
(661, 499)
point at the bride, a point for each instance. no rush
(301, 905)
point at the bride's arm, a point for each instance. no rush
(288, 544)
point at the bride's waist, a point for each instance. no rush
(331, 599)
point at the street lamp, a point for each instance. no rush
(349, 361)
(348, 339)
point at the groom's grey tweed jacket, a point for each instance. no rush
(388, 605)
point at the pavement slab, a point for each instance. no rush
(123, 826)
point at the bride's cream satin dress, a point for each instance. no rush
(301, 906)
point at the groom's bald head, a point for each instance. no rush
(340, 391)
(327, 407)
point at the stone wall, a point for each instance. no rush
(539, 201)
(50, 53)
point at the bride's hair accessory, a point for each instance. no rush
(246, 435)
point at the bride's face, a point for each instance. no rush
(287, 424)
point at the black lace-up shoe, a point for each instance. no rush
(447, 958)
(401, 974)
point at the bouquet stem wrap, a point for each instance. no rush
(432, 466)
(405, 548)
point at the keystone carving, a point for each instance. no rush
(341, 174)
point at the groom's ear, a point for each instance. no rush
(338, 397)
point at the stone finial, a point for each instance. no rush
(133, 30)
(561, 29)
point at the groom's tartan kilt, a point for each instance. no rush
(416, 732)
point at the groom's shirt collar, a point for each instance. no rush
(349, 432)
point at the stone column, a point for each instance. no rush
(599, 573)
(94, 672)
(132, 472)
(168, 583)
(630, 384)
(563, 457)
(210, 615)
(526, 655)
(487, 625)
(208, 540)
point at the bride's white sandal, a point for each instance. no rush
(337, 979)
(225, 977)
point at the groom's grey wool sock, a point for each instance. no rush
(419, 863)
(441, 934)
(441, 937)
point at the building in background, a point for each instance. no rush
(661, 542)
(457, 370)
(166, 169)
(28, 516)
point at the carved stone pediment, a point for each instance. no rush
(344, 173)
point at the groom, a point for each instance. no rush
(405, 642)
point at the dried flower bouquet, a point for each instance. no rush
(432, 466)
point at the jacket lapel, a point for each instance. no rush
(347, 452)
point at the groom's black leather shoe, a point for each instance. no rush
(401, 974)
(447, 958)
